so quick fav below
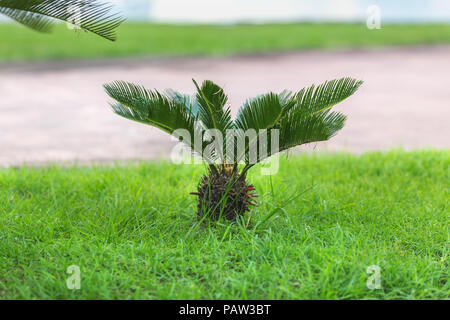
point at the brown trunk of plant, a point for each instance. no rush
(225, 194)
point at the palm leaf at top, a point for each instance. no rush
(89, 15)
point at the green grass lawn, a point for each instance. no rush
(131, 229)
(19, 43)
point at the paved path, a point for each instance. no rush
(58, 111)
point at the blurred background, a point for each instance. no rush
(53, 107)
(263, 11)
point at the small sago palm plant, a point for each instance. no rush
(266, 125)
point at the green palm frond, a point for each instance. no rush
(151, 107)
(89, 15)
(130, 113)
(212, 111)
(261, 112)
(190, 102)
(159, 110)
(211, 100)
(311, 119)
(295, 131)
(326, 95)
(300, 118)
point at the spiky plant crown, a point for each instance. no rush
(89, 15)
(299, 118)
(224, 195)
